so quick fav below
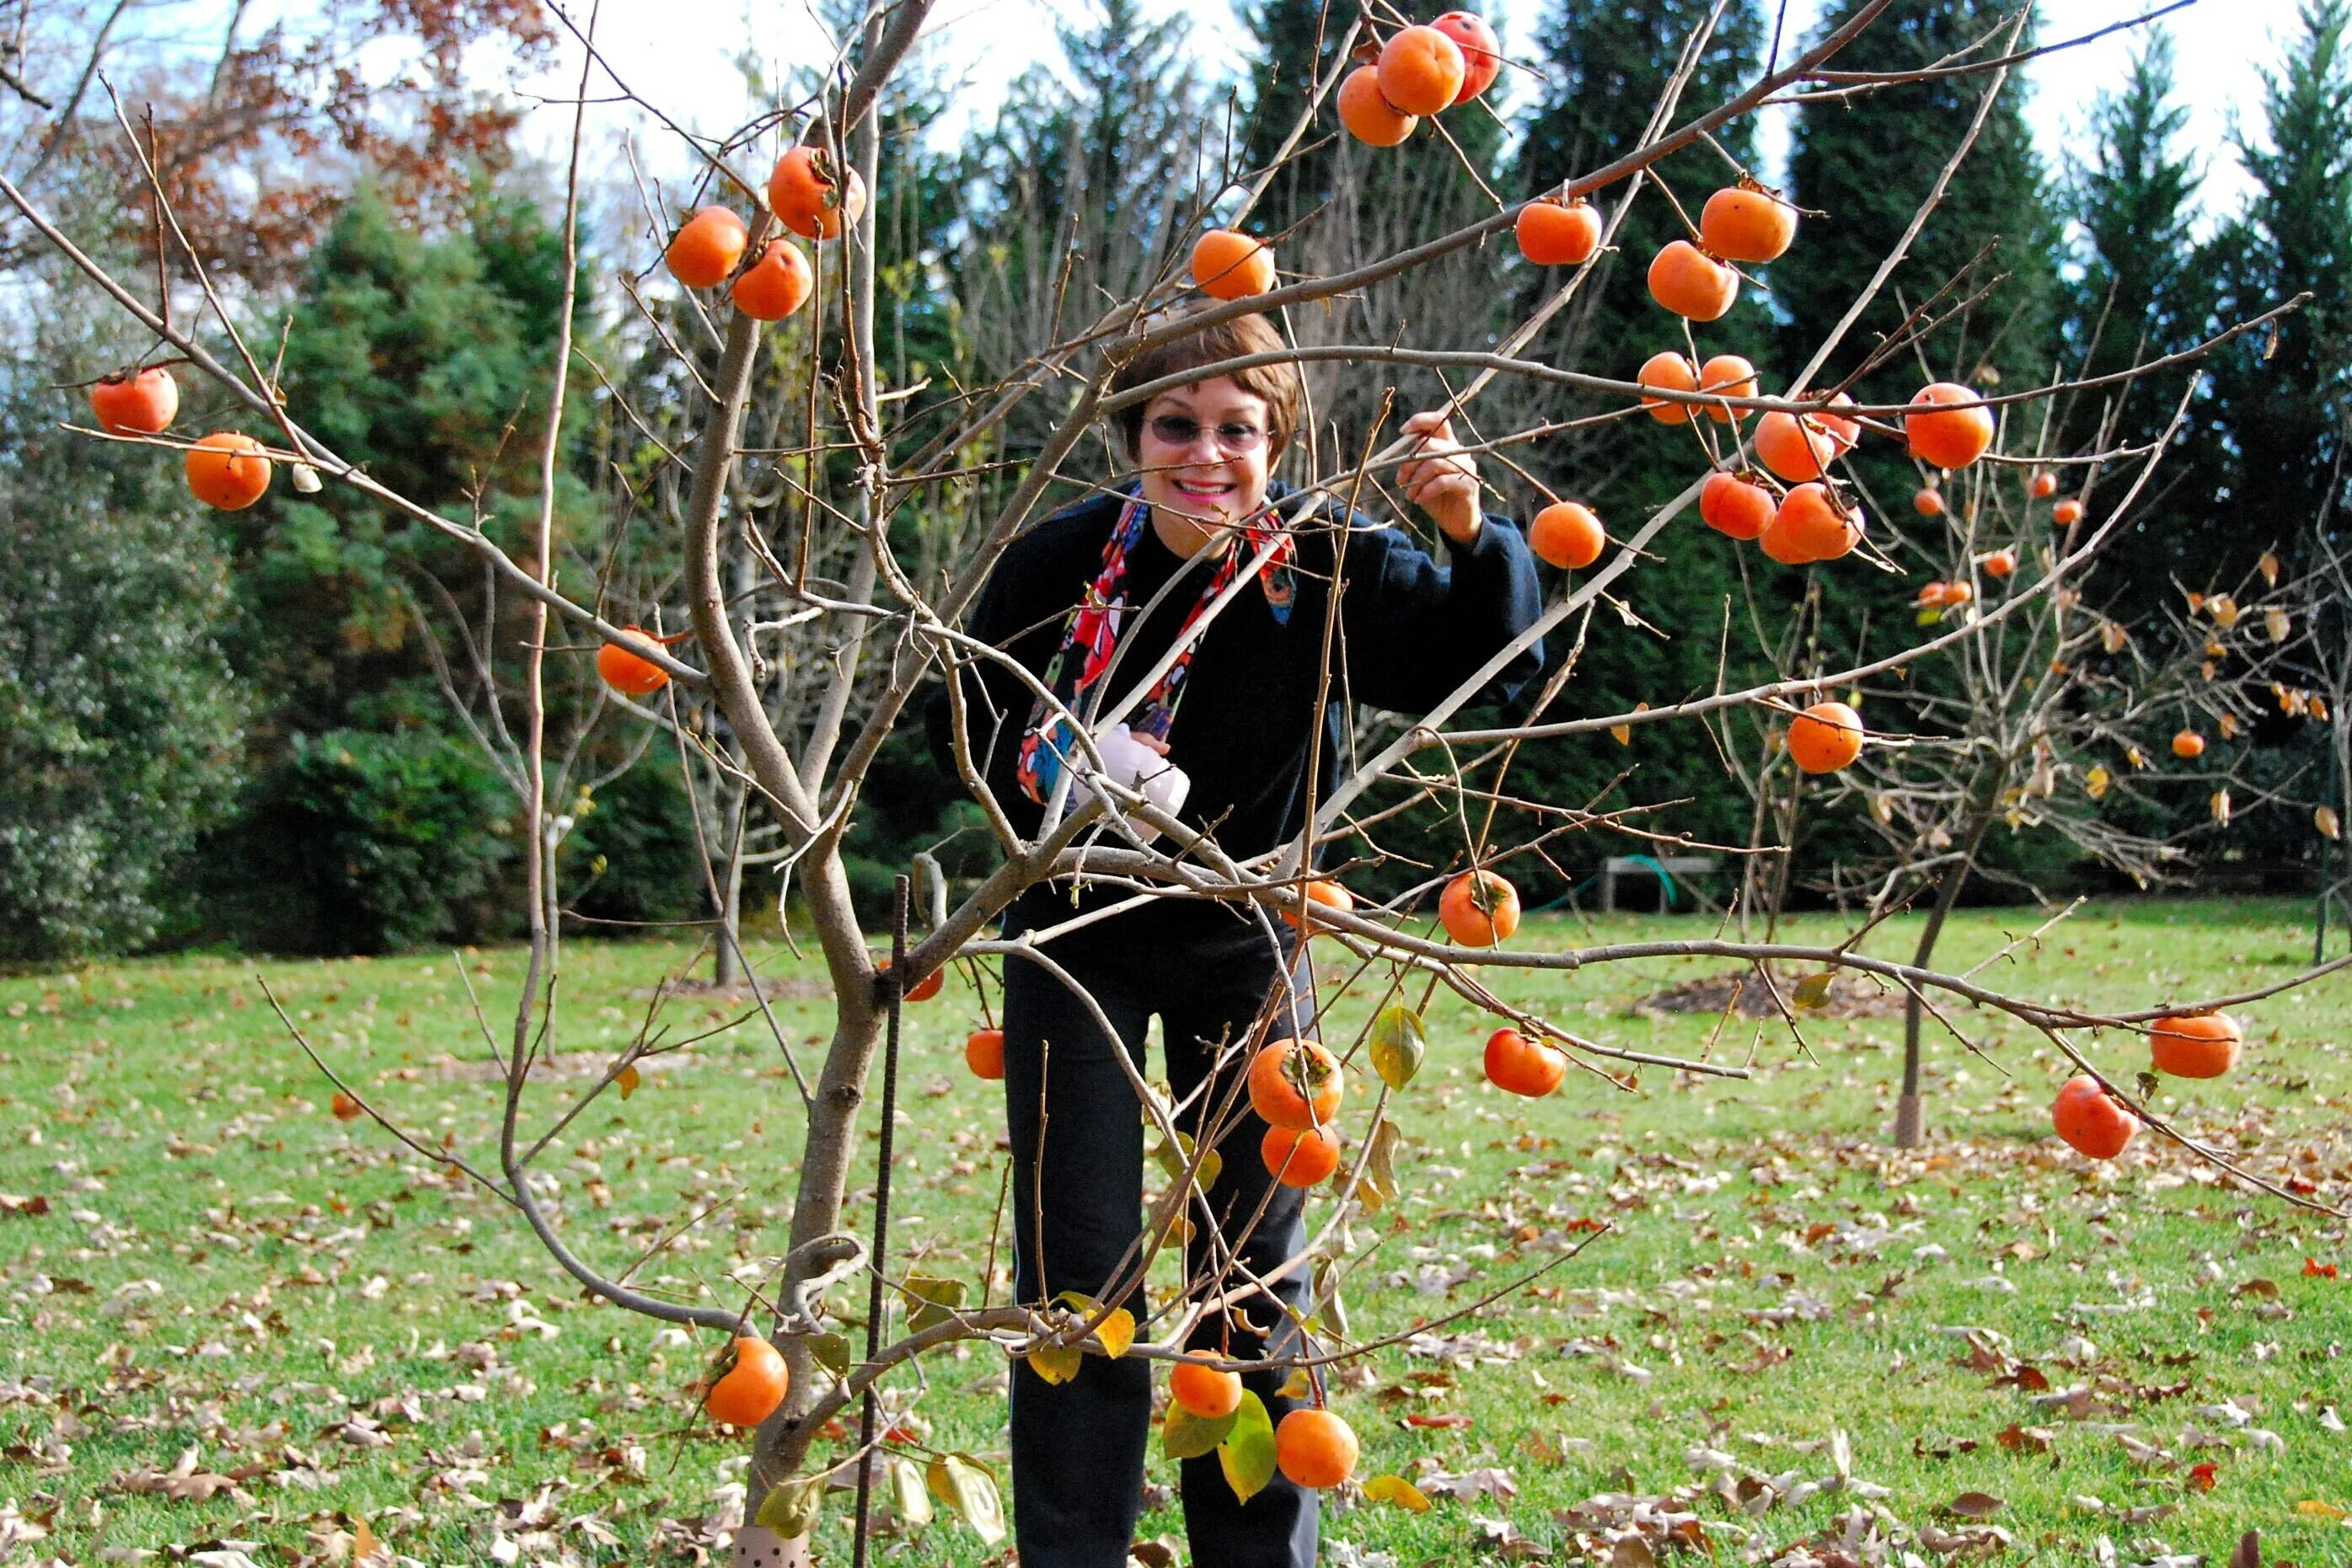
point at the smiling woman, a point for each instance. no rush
(1106, 604)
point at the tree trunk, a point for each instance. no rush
(1909, 1132)
(727, 965)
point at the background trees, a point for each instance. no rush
(410, 267)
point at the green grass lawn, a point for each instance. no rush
(237, 1325)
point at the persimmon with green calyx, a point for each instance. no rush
(754, 1385)
(706, 248)
(1478, 909)
(1300, 1157)
(1567, 534)
(1553, 233)
(983, 1053)
(1315, 1449)
(1295, 1083)
(808, 199)
(1826, 738)
(1946, 437)
(1422, 69)
(1747, 222)
(2195, 1045)
(1734, 506)
(2091, 1121)
(1203, 1389)
(776, 285)
(143, 403)
(1481, 52)
(228, 471)
(1691, 284)
(1522, 1066)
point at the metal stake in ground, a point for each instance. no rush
(897, 994)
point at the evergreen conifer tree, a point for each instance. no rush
(1869, 168)
(2143, 291)
(2283, 404)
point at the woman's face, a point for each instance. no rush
(1205, 453)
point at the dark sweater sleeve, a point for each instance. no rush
(1415, 629)
(1019, 610)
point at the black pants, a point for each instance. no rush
(1079, 1448)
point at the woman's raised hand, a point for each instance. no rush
(1440, 479)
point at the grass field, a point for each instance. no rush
(236, 1326)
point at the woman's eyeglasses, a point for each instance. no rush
(1175, 430)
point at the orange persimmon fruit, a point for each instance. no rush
(1734, 506)
(1795, 447)
(751, 1388)
(1300, 1157)
(1944, 437)
(1668, 371)
(1826, 738)
(1518, 1065)
(2088, 1119)
(983, 1053)
(1314, 1448)
(776, 285)
(1553, 233)
(1568, 534)
(808, 196)
(1481, 52)
(1479, 908)
(1231, 266)
(1747, 222)
(2195, 1045)
(227, 470)
(1422, 69)
(631, 674)
(1295, 1083)
(1369, 118)
(706, 248)
(1691, 284)
(142, 404)
(1204, 1390)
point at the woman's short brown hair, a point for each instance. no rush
(1277, 385)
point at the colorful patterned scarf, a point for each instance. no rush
(1092, 635)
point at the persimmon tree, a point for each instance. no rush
(813, 500)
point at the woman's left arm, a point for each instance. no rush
(1413, 630)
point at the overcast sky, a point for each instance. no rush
(677, 53)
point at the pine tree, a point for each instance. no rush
(2143, 292)
(1869, 165)
(2282, 404)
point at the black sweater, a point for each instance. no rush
(1410, 632)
